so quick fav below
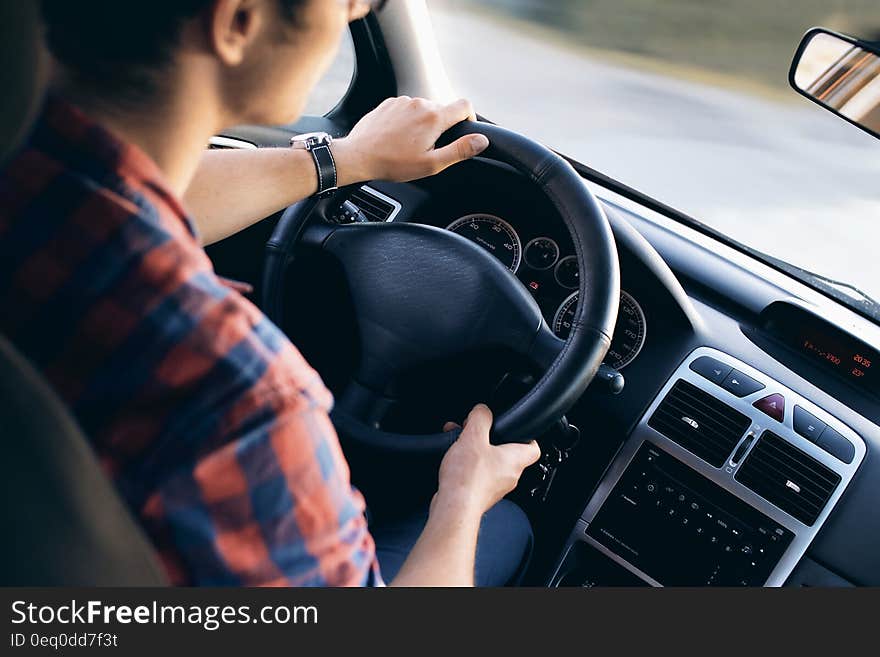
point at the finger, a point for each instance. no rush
(451, 426)
(479, 422)
(391, 100)
(458, 151)
(523, 454)
(460, 110)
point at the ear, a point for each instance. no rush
(232, 26)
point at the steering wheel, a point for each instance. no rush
(422, 293)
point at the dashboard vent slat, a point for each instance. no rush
(699, 422)
(220, 142)
(787, 477)
(376, 209)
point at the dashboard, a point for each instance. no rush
(686, 499)
(782, 440)
(726, 481)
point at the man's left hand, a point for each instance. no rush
(396, 141)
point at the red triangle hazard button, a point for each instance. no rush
(772, 405)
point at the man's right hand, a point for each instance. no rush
(475, 474)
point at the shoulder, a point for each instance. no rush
(229, 332)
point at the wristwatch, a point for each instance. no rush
(318, 144)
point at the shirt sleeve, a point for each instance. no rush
(266, 499)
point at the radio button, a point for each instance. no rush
(807, 424)
(711, 369)
(741, 385)
(836, 445)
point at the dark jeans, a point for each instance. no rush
(504, 545)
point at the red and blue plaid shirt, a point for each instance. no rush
(211, 424)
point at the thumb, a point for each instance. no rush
(523, 454)
(461, 149)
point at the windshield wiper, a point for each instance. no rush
(864, 296)
(831, 285)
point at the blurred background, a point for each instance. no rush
(687, 101)
(752, 39)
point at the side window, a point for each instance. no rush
(334, 85)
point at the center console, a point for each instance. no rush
(726, 480)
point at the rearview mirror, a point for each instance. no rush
(842, 74)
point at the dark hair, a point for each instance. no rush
(118, 46)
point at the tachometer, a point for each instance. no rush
(492, 233)
(629, 335)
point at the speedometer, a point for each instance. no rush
(493, 234)
(629, 334)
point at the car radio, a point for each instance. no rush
(666, 519)
(725, 482)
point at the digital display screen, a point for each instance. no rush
(849, 361)
(826, 345)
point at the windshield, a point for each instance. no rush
(687, 101)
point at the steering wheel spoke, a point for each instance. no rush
(545, 348)
(363, 403)
(316, 233)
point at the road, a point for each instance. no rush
(784, 177)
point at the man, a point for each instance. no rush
(214, 429)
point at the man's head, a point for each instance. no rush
(258, 59)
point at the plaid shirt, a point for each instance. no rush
(211, 424)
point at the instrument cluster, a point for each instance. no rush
(550, 272)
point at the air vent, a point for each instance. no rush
(792, 480)
(377, 207)
(700, 423)
(219, 142)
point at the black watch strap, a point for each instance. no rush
(326, 166)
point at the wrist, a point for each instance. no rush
(352, 164)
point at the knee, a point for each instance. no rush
(505, 545)
(519, 529)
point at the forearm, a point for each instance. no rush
(445, 552)
(233, 189)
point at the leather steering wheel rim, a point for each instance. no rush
(571, 368)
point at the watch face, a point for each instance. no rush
(310, 139)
